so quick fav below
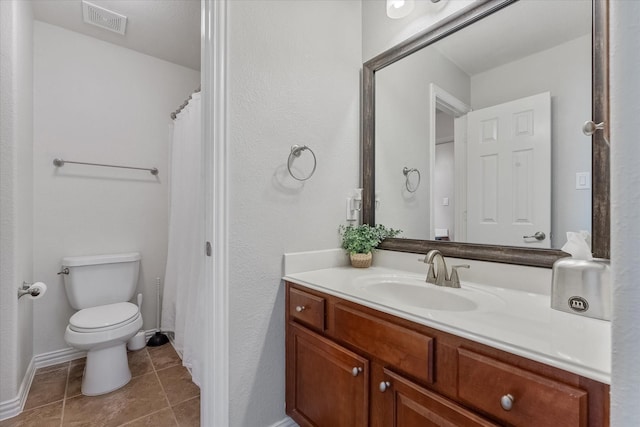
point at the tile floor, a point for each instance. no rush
(160, 394)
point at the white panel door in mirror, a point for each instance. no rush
(509, 172)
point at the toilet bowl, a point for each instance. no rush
(104, 331)
(99, 287)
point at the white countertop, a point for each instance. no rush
(515, 321)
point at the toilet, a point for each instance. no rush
(100, 287)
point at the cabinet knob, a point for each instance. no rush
(384, 385)
(300, 308)
(355, 371)
(506, 402)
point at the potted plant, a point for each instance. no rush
(360, 240)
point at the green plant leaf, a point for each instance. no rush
(364, 238)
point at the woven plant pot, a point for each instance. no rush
(361, 260)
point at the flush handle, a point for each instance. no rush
(64, 271)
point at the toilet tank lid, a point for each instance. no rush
(76, 261)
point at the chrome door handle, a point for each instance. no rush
(539, 235)
(590, 127)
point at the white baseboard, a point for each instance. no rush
(58, 356)
(149, 333)
(11, 408)
(286, 422)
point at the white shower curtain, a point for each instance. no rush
(182, 304)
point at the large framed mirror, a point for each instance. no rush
(472, 133)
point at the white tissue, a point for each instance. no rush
(41, 287)
(578, 245)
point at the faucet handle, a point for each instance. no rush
(431, 274)
(455, 279)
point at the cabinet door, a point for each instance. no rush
(408, 405)
(327, 385)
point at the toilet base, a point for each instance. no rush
(107, 369)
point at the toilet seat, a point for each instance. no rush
(104, 317)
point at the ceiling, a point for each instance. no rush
(521, 29)
(165, 29)
(170, 29)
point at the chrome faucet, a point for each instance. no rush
(440, 276)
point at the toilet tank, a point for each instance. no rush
(100, 279)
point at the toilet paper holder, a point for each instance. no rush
(25, 290)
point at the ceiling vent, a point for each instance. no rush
(103, 18)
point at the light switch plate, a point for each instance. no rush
(583, 180)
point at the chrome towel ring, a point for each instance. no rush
(406, 171)
(296, 151)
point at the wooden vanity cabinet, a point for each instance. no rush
(327, 385)
(349, 365)
(406, 404)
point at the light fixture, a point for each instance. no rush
(397, 9)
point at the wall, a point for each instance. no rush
(380, 33)
(625, 203)
(98, 102)
(16, 191)
(402, 135)
(443, 179)
(569, 81)
(444, 175)
(293, 78)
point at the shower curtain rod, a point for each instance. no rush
(184, 104)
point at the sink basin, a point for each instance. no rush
(415, 292)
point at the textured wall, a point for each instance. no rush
(403, 116)
(16, 191)
(98, 102)
(293, 79)
(625, 203)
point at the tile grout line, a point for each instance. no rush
(48, 403)
(155, 371)
(164, 392)
(141, 417)
(64, 398)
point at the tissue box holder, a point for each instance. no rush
(582, 287)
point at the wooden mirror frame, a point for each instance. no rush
(600, 150)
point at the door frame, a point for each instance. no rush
(214, 404)
(440, 99)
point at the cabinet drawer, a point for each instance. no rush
(407, 350)
(536, 400)
(306, 308)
